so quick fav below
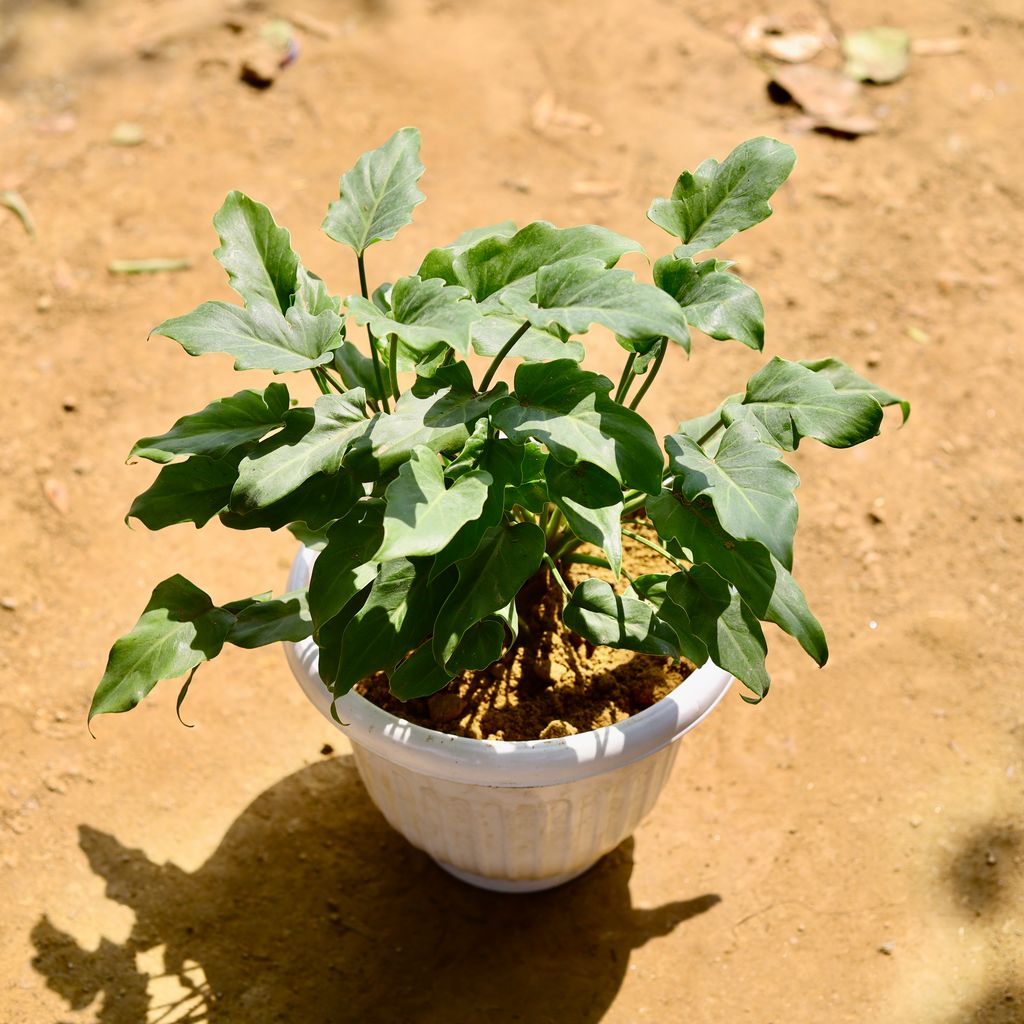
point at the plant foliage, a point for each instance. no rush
(435, 496)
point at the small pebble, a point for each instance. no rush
(915, 821)
(43, 303)
(558, 729)
(886, 948)
(326, 750)
(70, 403)
(8, 603)
(127, 134)
(446, 707)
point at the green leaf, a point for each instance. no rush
(422, 516)
(591, 502)
(653, 588)
(311, 294)
(707, 430)
(714, 301)
(312, 441)
(316, 502)
(441, 421)
(573, 294)
(481, 646)
(439, 262)
(187, 492)
(569, 410)
(603, 617)
(260, 337)
(223, 425)
(378, 195)
(179, 629)
(789, 402)
(267, 622)
(356, 370)
(345, 567)
(491, 332)
(395, 619)
(747, 482)
(419, 675)
(507, 556)
(879, 55)
(468, 459)
(728, 628)
(720, 199)
(423, 315)
(330, 635)
(847, 382)
(496, 262)
(761, 579)
(256, 253)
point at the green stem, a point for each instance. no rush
(634, 503)
(587, 560)
(369, 334)
(505, 349)
(626, 379)
(652, 373)
(668, 556)
(549, 561)
(320, 382)
(563, 545)
(711, 433)
(338, 385)
(554, 521)
(393, 365)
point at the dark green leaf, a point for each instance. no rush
(330, 635)
(312, 441)
(187, 492)
(223, 425)
(573, 294)
(569, 410)
(419, 675)
(788, 401)
(344, 567)
(714, 301)
(603, 617)
(847, 382)
(179, 629)
(378, 195)
(422, 515)
(316, 502)
(256, 253)
(267, 622)
(481, 646)
(653, 588)
(591, 502)
(748, 483)
(728, 628)
(719, 199)
(761, 579)
(489, 579)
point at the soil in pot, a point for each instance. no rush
(552, 683)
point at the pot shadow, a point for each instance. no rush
(313, 909)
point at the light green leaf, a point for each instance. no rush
(591, 501)
(763, 582)
(378, 195)
(569, 410)
(440, 262)
(423, 315)
(267, 622)
(260, 337)
(573, 294)
(729, 630)
(491, 332)
(422, 516)
(747, 482)
(395, 619)
(507, 556)
(223, 425)
(179, 629)
(312, 441)
(496, 262)
(345, 567)
(356, 370)
(714, 301)
(720, 199)
(847, 382)
(789, 402)
(187, 492)
(601, 616)
(879, 55)
(707, 430)
(256, 253)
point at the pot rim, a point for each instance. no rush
(504, 763)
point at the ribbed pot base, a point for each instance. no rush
(510, 884)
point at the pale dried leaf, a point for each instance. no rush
(880, 55)
(549, 117)
(793, 39)
(937, 47)
(57, 495)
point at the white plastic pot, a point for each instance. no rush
(511, 816)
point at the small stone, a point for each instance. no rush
(990, 859)
(8, 603)
(446, 707)
(874, 358)
(43, 303)
(886, 948)
(557, 729)
(70, 403)
(57, 495)
(127, 134)
(326, 750)
(260, 68)
(915, 821)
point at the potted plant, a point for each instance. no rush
(442, 509)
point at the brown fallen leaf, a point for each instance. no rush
(549, 117)
(793, 39)
(595, 189)
(937, 47)
(829, 100)
(57, 495)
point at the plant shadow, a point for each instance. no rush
(312, 909)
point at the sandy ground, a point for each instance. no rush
(851, 850)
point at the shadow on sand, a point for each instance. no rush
(313, 910)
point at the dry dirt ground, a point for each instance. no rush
(851, 850)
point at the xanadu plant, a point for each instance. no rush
(435, 496)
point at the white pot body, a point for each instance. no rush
(511, 816)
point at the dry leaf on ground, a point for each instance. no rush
(937, 47)
(792, 39)
(549, 117)
(57, 495)
(828, 98)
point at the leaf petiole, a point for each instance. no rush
(505, 349)
(626, 379)
(393, 365)
(550, 563)
(320, 382)
(369, 334)
(639, 538)
(645, 387)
